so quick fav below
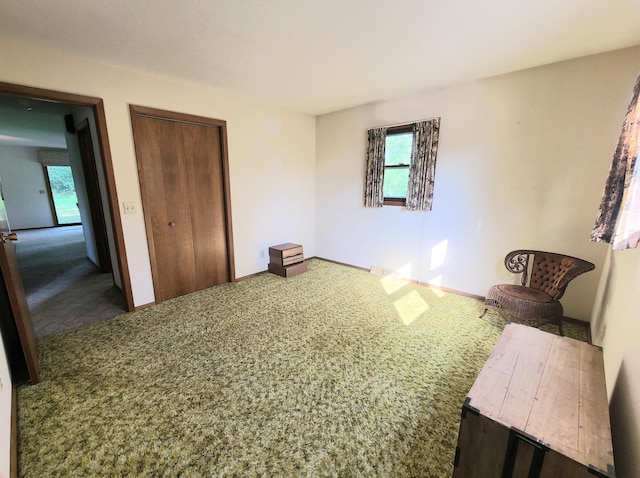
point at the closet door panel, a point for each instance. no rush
(203, 166)
(167, 211)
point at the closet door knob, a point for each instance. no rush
(172, 224)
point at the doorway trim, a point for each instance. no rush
(97, 105)
(92, 185)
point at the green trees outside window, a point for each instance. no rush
(63, 194)
(397, 159)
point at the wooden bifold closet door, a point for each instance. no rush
(182, 165)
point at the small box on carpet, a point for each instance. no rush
(286, 260)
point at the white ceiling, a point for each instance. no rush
(324, 55)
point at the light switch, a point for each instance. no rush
(129, 207)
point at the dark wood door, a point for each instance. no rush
(90, 172)
(16, 325)
(184, 188)
(203, 165)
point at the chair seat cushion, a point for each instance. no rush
(524, 293)
(524, 302)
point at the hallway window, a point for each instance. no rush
(63, 194)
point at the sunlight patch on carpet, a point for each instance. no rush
(410, 306)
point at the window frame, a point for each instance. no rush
(52, 202)
(391, 131)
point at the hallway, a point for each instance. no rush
(63, 287)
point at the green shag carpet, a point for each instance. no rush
(334, 372)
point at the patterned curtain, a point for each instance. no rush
(620, 200)
(423, 165)
(627, 233)
(373, 196)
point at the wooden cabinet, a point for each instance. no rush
(286, 260)
(537, 409)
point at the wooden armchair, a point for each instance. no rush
(545, 276)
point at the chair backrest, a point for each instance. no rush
(546, 271)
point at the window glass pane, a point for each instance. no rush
(64, 197)
(396, 182)
(398, 149)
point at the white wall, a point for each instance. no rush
(22, 180)
(271, 151)
(521, 164)
(616, 326)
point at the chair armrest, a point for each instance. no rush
(518, 263)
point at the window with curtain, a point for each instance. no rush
(618, 220)
(400, 165)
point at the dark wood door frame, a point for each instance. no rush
(97, 105)
(92, 185)
(186, 118)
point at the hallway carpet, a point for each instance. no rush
(64, 288)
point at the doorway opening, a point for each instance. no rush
(74, 267)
